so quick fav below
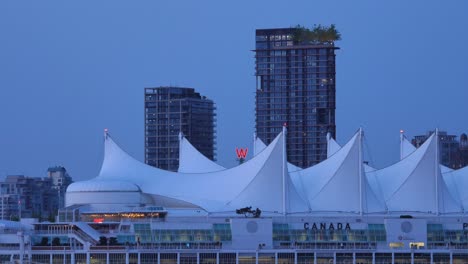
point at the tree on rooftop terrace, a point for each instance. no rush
(318, 34)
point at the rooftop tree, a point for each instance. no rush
(316, 34)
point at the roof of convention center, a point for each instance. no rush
(341, 184)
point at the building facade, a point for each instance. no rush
(453, 153)
(26, 197)
(296, 82)
(106, 222)
(171, 110)
(60, 181)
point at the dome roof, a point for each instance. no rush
(103, 186)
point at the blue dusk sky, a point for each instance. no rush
(69, 69)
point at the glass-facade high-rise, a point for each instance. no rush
(296, 81)
(170, 110)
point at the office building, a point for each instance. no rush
(170, 110)
(296, 81)
(453, 153)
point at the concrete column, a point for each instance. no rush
(412, 257)
(295, 257)
(451, 258)
(315, 257)
(72, 258)
(50, 259)
(276, 258)
(334, 257)
(127, 258)
(237, 258)
(217, 258)
(393, 257)
(373, 257)
(159, 258)
(88, 256)
(107, 258)
(354, 257)
(198, 258)
(256, 257)
(178, 258)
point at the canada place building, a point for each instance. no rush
(170, 110)
(296, 88)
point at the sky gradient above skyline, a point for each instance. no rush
(70, 69)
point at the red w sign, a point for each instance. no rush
(241, 153)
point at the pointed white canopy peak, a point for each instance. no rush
(332, 145)
(336, 184)
(192, 161)
(414, 184)
(211, 191)
(406, 148)
(391, 178)
(259, 145)
(271, 189)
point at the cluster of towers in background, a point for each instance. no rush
(295, 86)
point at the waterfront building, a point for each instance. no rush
(296, 84)
(173, 110)
(257, 212)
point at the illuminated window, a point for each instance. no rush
(396, 244)
(416, 245)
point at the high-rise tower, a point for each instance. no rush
(170, 110)
(296, 77)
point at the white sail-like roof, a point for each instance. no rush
(259, 145)
(192, 161)
(269, 183)
(103, 186)
(249, 184)
(415, 183)
(457, 182)
(406, 148)
(338, 184)
(332, 145)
